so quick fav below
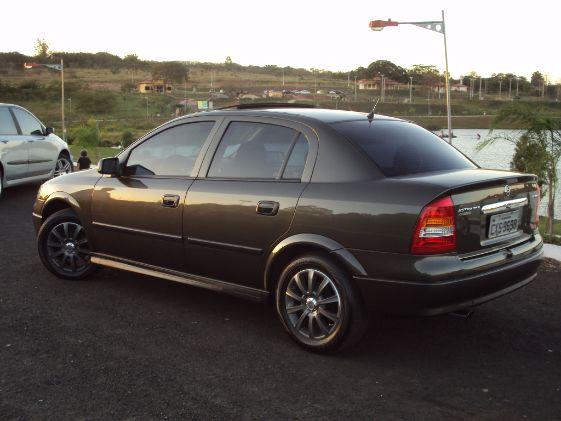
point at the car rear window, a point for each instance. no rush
(401, 148)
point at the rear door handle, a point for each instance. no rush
(266, 207)
(170, 200)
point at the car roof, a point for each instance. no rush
(320, 114)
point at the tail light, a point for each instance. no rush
(436, 228)
(537, 206)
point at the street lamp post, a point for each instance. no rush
(410, 88)
(437, 26)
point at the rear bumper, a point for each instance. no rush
(466, 284)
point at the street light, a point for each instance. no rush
(436, 26)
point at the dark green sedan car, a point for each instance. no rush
(328, 214)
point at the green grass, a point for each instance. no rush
(96, 154)
(555, 239)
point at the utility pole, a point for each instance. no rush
(283, 77)
(485, 86)
(146, 98)
(428, 101)
(500, 88)
(510, 88)
(382, 90)
(471, 88)
(355, 88)
(480, 98)
(517, 87)
(410, 88)
(62, 98)
(348, 79)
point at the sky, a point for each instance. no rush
(483, 36)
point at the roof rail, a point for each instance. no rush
(258, 105)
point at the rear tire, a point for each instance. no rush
(1, 182)
(318, 304)
(63, 246)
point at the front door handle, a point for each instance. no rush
(266, 207)
(170, 200)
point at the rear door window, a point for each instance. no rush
(7, 125)
(401, 148)
(250, 150)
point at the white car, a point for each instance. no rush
(29, 151)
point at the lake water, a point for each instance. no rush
(497, 155)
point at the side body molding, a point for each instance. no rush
(341, 254)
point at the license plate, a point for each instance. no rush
(503, 224)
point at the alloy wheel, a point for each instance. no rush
(67, 248)
(63, 166)
(313, 304)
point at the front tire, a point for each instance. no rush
(63, 246)
(318, 305)
(63, 165)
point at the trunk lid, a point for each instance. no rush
(493, 209)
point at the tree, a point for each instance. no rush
(228, 61)
(540, 145)
(467, 78)
(42, 51)
(425, 74)
(388, 69)
(174, 71)
(537, 79)
(131, 61)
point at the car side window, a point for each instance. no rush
(7, 125)
(28, 124)
(253, 150)
(172, 152)
(295, 165)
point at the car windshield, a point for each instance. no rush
(401, 148)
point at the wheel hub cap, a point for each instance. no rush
(68, 248)
(312, 305)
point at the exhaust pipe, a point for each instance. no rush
(462, 314)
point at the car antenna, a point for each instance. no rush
(370, 115)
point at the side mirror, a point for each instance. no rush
(108, 166)
(49, 130)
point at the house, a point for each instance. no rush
(375, 83)
(158, 86)
(454, 87)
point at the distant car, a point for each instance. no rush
(29, 151)
(303, 92)
(335, 92)
(325, 213)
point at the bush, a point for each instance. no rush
(97, 102)
(127, 138)
(128, 86)
(87, 136)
